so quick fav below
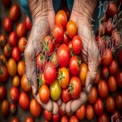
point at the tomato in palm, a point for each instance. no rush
(75, 87)
(103, 89)
(105, 72)
(103, 118)
(47, 115)
(80, 113)
(83, 73)
(71, 28)
(119, 79)
(22, 43)
(61, 18)
(65, 39)
(74, 65)
(29, 119)
(2, 40)
(58, 33)
(44, 93)
(2, 92)
(73, 118)
(77, 44)
(21, 67)
(113, 67)
(24, 101)
(13, 39)
(3, 73)
(56, 117)
(64, 119)
(98, 106)
(89, 112)
(118, 101)
(49, 73)
(16, 54)
(7, 50)
(63, 77)
(28, 23)
(65, 96)
(63, 55)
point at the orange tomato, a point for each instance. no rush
(89, 112)
(22, 43)
(21, 67)
(16, 80)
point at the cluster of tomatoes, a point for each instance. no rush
(60, 71)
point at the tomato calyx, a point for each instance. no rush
(60, 76)
(70, 88)
(71, 52)
(9, 48)
(1, 72)
(40, 81)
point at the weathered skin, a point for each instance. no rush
(43, 21)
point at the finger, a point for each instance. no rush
(68, 107)
(59, 102)
(55, 108)
(63, 107)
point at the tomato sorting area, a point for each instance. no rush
(67, 74)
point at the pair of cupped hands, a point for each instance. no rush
(43, 18)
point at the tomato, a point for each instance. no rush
(65, 96)
(22, 43)
(102, 89)
(83, 73)
(77, 44)
(110, 104)
(7, 50)
(14, 94)
(120, 57)
(2, 92)
(14, 12)
(112, 84)
(103, 118)
(25, 84)
(21, 30)
(16, 54)
(13, 39)
(3, 59)
(71, 28)
(63, 55)
(119, 79)
(80, 113)
(13, 108)
(5, 107)
(63, 77)
(49, 73)
(73, 118)
(61, 18)
(24, 101)
(67, 12)
(74, 65)
(16, 81)
(64, 119)
(58, 33)
(6, 3)
(75, 87)
(54, 59)
(93, 95)
(112, 9)
(7, 24)
(107, 57)
(105, 72)
(41, 79)
(56, 117)
(118, 101)
(97, 79)
(98, 106)
(65, 39)
(89, 112)
(2, 40)
(48, 45)
(28, 23)
(44, 93)
(61, 112)
(47, 115)
(29, 119)
(109, 27)
(35, 108)
(21, 67)
(3, 73)
(14, 119)
(113, 67)
(55, 90)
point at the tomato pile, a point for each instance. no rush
(61, 72)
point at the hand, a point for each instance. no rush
(43, 21)
(82, 15)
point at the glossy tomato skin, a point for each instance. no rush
(73, 118)
(22, 43)
(21, 67)
(16, 81)
(2, 40)
(29, 119)
(16, 54)
(49, 73)
(47, 115)
(118, 101)
(64, 119)
(56, 117)
(119, 79)
(89, 112)
(103, 118)
(109, 27)
(65, 39)
(63, 55)
(75, 87)
(14, 119)
(28, 23)
(7, 50)
(105, 72)
(2, 92)
(113, 68)
(3, 73)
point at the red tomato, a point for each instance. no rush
(16, 54)
(62, 113)
(22, 43)
(102, 89)
(54, 59)
(65, 39)
(109, 27)
(14, 93)
(35, 108)
(7, 50)
(113, 67)
(24, 101)
(21, 29)
(2, 40)
(47, 115)
(7, 24)
(74, 65)
(65, 96)
(28, 23)
(6, 3)
(105, 72)
(120, 57)
(118, 101)
(58, 33)
(63, 55)
(14, 119)
(80, 113)
(64, 119)
(14, 12)
(3, 73)
(73, 118)
(75, 87)
(29, 119)
(13, 39)
(49, 73)
(98, 106)
(2, 92)
(119, 79)
(103, 118)
(77, 44)
(61, 18)
(56, 117)
(89, 112)
(71, 28)
(13, 108)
